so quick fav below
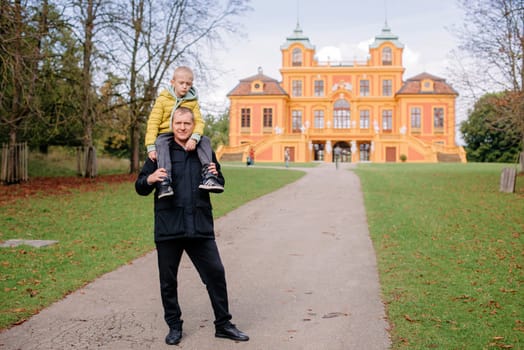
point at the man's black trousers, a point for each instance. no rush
(206, 259)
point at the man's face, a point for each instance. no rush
(182, 82)
(183, 125)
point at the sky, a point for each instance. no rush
(338, 28)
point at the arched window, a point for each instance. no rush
(297, 57)
(387, 56)
(341, 114)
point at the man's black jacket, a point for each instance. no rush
(189, 212)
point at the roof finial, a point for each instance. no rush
(298, 14)
(385, 13)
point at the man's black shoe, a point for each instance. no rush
(174, 336)
(229, 331)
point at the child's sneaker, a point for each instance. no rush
(210, 182)
(164, 189)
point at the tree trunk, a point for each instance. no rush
(521, 162)
(91, 164)
(135, 149)
(88, 110)
(521, 156)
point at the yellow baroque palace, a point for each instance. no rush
(363, 110)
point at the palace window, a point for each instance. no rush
(387, 120)
(364, 119)
(387, 87)
(438, 118)
(297, 57)
(364, 87)
(319, 119)
(415, 117)
(341, 114)
(296, 121)
(297, 87)
(268, 117)
(319, 87)
(245, 116)
(364, 151)
(387, 56)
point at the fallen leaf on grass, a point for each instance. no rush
(504, 290)
(409, 319)
(464, 298)
(32, 292)
(519, 326)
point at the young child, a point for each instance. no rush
(159, 133)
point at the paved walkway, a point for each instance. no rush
(301, 273)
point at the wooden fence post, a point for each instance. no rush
(14, 163)
(91, 163)
(507, 180)
(3, 170)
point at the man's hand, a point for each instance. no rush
(191, 145)
(159, 175)
(212, 168)
(152, 155)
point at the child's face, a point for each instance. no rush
(182, 82)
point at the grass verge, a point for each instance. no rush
(61, 161)
(97, 231)
(450, 254)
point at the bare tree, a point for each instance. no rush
(154, 36)
(89, 20)
(491, 57)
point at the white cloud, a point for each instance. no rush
(363, 46)
(329, 53)
(411, 61)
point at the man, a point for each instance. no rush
(338, 153)
(184, 222)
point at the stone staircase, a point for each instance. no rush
(231, 157)
(448, 157)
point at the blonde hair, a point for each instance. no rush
(183, 69)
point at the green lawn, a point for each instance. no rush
(450, 253)
(97, 232)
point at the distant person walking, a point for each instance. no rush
(338, 153)
(286, 157)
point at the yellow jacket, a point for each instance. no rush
(159, 121)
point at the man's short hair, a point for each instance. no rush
(184, 110)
